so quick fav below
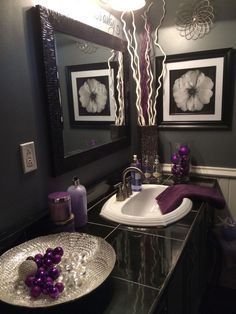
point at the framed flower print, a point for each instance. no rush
(196, 90)
(91, 93)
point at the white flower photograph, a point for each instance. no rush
(91, 93)
(196, 90)
(193, 91)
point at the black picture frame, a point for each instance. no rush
(82, 77)
(196, 90)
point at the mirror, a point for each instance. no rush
(75, 54)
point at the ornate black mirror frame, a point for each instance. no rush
(50, 22)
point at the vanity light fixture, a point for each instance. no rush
(127, 5)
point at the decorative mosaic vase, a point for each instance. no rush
(149, 142)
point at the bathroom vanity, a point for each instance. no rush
(157, 270)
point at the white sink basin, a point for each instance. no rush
(141, 208)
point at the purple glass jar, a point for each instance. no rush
(180, 162)
(59, 206)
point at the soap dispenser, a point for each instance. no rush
(157, 171)
(78, 202)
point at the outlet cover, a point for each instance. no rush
(28, 157)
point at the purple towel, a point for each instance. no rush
(173, 196)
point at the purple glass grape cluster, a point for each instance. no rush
(181, 163)
(43, 281)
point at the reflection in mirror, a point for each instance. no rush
(76, 57)
(83, 89)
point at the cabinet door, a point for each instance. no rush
(173, 299)
(188, 283)
(175, 295)
(196, 262)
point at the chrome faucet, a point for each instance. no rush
(124, 187)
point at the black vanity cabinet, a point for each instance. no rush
(157, 271)
(188, 282)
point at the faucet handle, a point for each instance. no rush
(117, 185)
(120, 193)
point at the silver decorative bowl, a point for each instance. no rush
(86, 263)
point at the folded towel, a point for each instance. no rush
(173, 196)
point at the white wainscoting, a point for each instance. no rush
(226, 178)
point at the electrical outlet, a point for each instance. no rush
(28, 157)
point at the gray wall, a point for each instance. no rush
(23, 119)
(68, 54)
(214, 148)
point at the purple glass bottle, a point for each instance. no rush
(78, 202)
(136, 182)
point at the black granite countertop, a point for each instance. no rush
(146, 260)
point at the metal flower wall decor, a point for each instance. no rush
(194, 20)
(86, 47)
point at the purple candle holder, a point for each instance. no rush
(59, 206)
(180, 162)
